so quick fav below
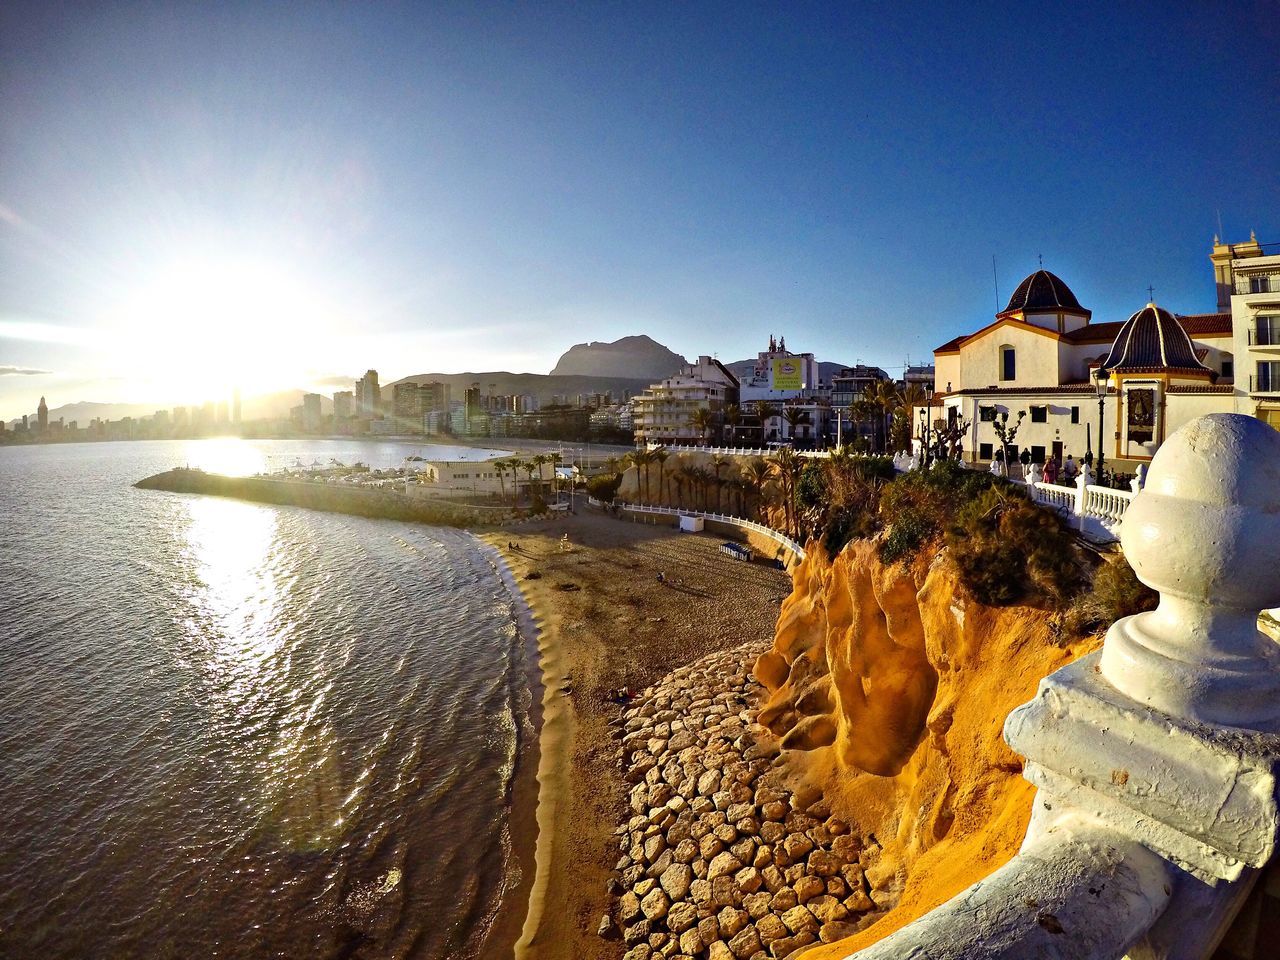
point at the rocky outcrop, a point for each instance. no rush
(718, 858)
(637, 357)
(887, 692)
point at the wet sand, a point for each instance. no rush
(606, 622)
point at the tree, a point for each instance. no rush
(950, 434)
(528, 466)
(640, 459)
(702, 420)
(763, 410)
(888, 400)
(718, 463)
(786, 464)
(1006, 434)
(756, 474)
(900, 430)
(500, 468)
(733, 417)
(793, 417)
(660, 457)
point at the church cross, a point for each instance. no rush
(1151, 294)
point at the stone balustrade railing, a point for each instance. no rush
(741, 522)
(1157, 759)
(733, 451)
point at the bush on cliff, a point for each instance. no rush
(1007, 548)
(1116, 593)
(918, 506)
(604, 487)
(839, 498)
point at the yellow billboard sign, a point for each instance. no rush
(787, 374)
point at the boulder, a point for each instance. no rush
(809, 887)
(731, 920)
(676, 880)
(824, 864)
(655, 904)
(724, 864)
(745, 943)
(681, 917)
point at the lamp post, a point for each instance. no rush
(928, 420)
(1100, 385)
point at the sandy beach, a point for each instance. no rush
(605, 622)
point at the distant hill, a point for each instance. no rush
(540, 385)
(638, 357)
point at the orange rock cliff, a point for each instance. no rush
(888, 691)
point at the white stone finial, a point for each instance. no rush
(1205, 532)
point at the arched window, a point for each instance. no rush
(1008, 363)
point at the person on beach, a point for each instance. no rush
(661, 577)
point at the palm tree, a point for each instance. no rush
(763, 410)
(718, 462)
(755, 473)
(786, 464)
(733, 417)
(687, 475)
(500, 468)
(528, 466)
(660, 457)
(889, 399)
(793, 417)
(702, 420)
(515, 465)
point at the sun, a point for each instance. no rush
(198, 328)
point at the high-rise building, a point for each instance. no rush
(311, 415)
(42, 415)
(342, 403)
(368, 396)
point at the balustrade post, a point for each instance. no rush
(1082, 483)
(1139, 478)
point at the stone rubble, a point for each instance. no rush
(715, 859)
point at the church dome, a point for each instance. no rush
(1153, 341)
(1043, 291)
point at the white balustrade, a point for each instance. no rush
(778, 537)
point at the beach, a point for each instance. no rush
(607, 622)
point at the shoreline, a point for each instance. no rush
(500, 939)
(605, 621)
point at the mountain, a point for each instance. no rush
(540, 385)
(639, 357)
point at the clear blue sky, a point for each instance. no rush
(419, 187)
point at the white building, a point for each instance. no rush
(780, 375)
(1040, 355)
(1254, 294)
(460, 478)
(665, 412)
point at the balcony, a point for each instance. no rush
(1264, 338)
(1257, 281)
(1267, 385)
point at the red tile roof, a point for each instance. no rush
(1094, 333)
(1206, 324)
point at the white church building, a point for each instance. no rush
(1080, 386)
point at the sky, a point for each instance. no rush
(273, 196)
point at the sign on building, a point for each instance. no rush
(787, 374)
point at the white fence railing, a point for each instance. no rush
(734, 451)
(1096, 511)
(780, 538)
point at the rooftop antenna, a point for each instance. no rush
(995, 280)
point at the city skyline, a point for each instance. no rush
(241, 196)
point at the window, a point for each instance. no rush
(1039, 415)
(1268, 378)
(1228, 367)
(1075, 414)
(987, 414)
(1259, 284)
(1267, 331)
(985, 452)
(1037, 454)
(1008, 364)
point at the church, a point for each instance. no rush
(1077, 388)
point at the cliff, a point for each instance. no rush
(888, 691)
(638, 357)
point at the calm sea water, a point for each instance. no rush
(234, 730)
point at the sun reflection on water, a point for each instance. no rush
(229, 456)
(243, 618)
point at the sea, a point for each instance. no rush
(237, 730)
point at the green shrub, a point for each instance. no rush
(908, 531)
(1116, 593)
(605, 486)
(1007, 548)
(919, 506)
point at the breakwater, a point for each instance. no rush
(380, 504)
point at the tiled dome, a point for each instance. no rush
(1043, 291)
(1153, 341)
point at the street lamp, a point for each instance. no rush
(1100, 385)
(928, 420)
